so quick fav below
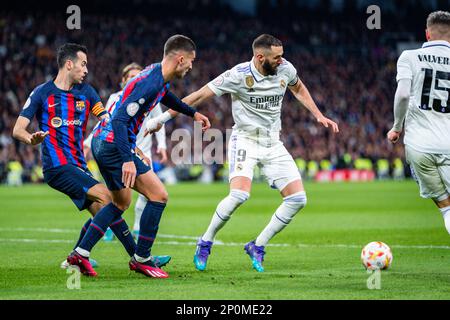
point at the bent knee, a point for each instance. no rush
(160, 196)
(122, 206)
(105, 198)
(292, 204)
(101, 194)
(239, 196)
(163, 197)
(296, 201)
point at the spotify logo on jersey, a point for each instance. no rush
(56, 122)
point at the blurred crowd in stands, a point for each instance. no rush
(349, 70)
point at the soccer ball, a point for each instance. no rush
(376, 256)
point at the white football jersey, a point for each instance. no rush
(427, 123)
(145, 143)
(256, 99)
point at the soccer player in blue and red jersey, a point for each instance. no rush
(62, 108)
(113, 147)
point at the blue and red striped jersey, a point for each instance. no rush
(65, 115)
(140, 95)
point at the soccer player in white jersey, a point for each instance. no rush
(144, 143)
(422, 107)
(257, 88)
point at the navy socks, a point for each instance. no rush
(122, 232)
(83, 232)
(149, 227)
(98, 226)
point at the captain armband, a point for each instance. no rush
(98, 110)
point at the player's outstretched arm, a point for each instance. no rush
(199, 96)
(173, 102)
(194, 99)
(401, 101)
(302, 94)
(20, 132)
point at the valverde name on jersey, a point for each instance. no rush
(433, 59)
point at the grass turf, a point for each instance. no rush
(319, 259)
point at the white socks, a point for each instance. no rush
(224, 211)
(138, 209)
(282, 216)
(83, 252)
(140, 259)
(446, 215)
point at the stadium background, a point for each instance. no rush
(349, 69)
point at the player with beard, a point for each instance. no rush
(113, 147)
(257, 88)
(143, 146)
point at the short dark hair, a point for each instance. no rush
(68, 51)
(438, 18)
(266, 41)
(178, 42)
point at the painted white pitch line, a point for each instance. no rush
(235, 244)
(37, 240)
(173, 236)
(55, 230)
(48, 230)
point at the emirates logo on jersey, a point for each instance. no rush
(56, 122)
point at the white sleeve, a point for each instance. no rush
(161, 133)
(404, 67)
(401, 102)
(111, 100)
(227, 82)
(292, 74)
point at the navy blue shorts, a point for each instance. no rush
(110, 163)
(72, 181)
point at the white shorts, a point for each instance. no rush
(276, 163)
(432, 173)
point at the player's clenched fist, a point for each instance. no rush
(153, 125)
(393, 135)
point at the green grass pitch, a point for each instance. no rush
(316, 257)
